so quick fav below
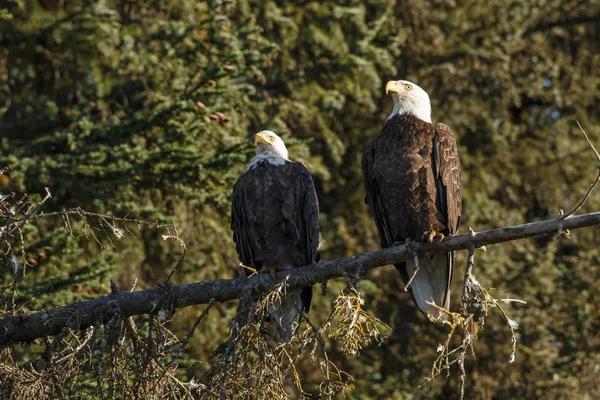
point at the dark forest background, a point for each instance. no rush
(147, 109)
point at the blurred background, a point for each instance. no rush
(147, 109)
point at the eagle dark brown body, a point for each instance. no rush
(275, 218)
(412, 178)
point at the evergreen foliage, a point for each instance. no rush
(145, 110)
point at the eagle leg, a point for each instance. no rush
(433, 235)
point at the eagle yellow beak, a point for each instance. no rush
(393, 86)
(260, 138)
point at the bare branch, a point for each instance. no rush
(407, 286)
(182, 244)
(468, 274)
(8, 230)
(592, 186)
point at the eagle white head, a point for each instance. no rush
(409, 98)
(269, 142)
(269, 148)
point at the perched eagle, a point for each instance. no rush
(412, 177)
(275, 222)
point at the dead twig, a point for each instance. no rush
(474, 307)
(187, 337)
(416, 261)
(468, 274)
(182, 244)
(592, 186)
(355, 327)
(11, 228)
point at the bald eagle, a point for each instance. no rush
(412, 177)
(275, 223)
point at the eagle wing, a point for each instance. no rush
(307, 206)
(240, 225)
(374, 199)
(447, 173)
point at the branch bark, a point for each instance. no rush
(25, 329)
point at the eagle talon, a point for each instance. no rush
(432, 235)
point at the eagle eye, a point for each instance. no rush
(271, 139)
(408, 86)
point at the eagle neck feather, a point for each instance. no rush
(421, 112)
(267, 156)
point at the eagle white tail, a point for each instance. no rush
(431, 284)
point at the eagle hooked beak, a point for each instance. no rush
(260, 138)
(393, 86)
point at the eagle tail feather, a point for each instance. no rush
(430, 284)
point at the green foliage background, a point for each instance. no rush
(112, 105)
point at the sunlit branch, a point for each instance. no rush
(51, 322)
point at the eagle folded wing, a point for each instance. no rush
(240, 226)
(308, 222)
(374, 200)
(447, 173)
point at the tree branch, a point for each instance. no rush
(87, 313)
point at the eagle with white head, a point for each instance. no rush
(275, 223)
(412, 177)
